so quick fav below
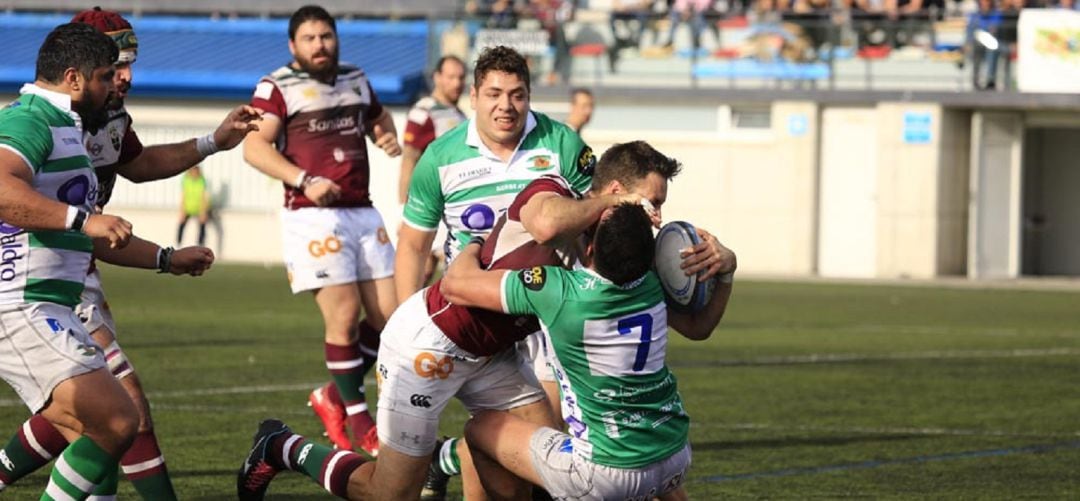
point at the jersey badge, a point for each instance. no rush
(540, 163)
(534, 278)
(114, 136)
(586, 162)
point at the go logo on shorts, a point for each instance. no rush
(428, 366)
(329, 246)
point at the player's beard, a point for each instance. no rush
(324, 71)
(94, 118)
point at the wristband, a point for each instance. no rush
(164, 259)
(726, 278)
(300, 180)
(206, 145)
(76, 218)
(478, 240)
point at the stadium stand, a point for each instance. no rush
(200, 57)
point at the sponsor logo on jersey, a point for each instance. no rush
(475, 172)
(338, 123)
(428, 366)
(540, 162)
(415, 438)
(586, 161)
(322, 274)
(567, 446)
(420, 400)
(11, 251)
(54, 324)
(534, 278)
(478, 217)
(76, 191)
(330, 245)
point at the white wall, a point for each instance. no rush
(755, 186)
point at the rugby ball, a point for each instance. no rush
(686, 294)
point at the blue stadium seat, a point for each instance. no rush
(748, 68)
(201, 57)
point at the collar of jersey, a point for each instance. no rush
(632, 284)
(473, 137)
(58, 99)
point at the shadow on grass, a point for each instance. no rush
(772, 443)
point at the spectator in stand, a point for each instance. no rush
(814, 20)
(553, 15)
(688, 11)
(502, 14)
(982, 42)
(628, 20)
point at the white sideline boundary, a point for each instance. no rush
(832, 358)
(887, 430)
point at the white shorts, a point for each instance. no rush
(533, 350)
(44, 344)
(567, 475)
(93, 310)
(420, 369)
(325, 246)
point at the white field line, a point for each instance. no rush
(886, 430)
(228, 390)
(832, 358)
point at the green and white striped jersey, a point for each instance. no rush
(46, 266)
(618, 397)
(461, 182)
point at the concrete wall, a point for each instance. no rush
(756, 188)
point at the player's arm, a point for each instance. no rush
(552, 218)
(22, 206)
(167, 160)
(413, 248)
(139, 253)
(420, 217)
(467, 284)
(384, 134)
(409, 157)
(260, 152)
(699, 326)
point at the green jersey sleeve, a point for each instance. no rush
(27, 135)
(424, 207)
(579, 170)
(533, 291)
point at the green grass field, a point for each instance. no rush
(807, 389)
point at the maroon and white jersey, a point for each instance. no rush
(509, 247)
(429, 119)
(322, 128)
(112, 145)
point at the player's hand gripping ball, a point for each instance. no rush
(685, 294)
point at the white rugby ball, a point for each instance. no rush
(684, 293)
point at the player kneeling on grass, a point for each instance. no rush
(607, 325)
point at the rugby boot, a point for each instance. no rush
(257, 471)
(331, 415)
(369, 443)
(436, 481)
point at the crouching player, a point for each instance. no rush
(607, 325)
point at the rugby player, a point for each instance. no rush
(50, 229)
(115, 149)
(317, 113)
(585, 314)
